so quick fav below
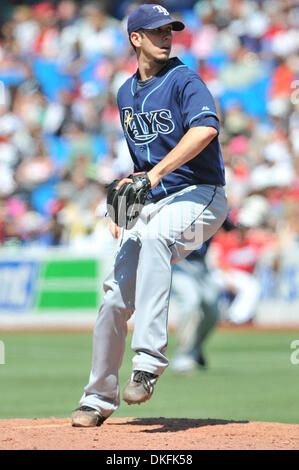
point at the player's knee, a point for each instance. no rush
(118, 303)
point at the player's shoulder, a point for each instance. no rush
(182, 73)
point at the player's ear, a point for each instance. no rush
(135, 39)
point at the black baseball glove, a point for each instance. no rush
(125, 205)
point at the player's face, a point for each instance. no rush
(156, 43)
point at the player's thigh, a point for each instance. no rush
(189, 219)
(122, 278)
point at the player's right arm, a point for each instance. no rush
(191, 144)
(201, 123)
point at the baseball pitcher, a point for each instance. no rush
(172, 203)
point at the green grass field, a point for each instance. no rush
(250, 377)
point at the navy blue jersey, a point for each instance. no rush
(156, 116)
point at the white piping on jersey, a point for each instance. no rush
(203, 112)
(132, 83)
(142, 108)
(149, 160)
(163, 187)
(148, 154)
(172, 70)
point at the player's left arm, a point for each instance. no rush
(191, 144)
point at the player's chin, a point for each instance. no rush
(162, 57)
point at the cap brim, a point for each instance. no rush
(176, 25)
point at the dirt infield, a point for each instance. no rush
(147, 434)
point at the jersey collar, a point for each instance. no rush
(171, 63)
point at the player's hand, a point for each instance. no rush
(114, 229)
(122, 182)
(126, 198)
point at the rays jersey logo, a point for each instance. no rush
(143, 128)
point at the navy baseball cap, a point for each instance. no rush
(151, 16)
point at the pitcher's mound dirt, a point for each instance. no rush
(147, 434)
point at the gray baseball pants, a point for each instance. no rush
(140, 282)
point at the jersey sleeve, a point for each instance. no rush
(197, 105)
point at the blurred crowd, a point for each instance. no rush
(61, 142)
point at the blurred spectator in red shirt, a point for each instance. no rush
(235, 256)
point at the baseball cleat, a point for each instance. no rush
(140, 387)
(86, 417)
